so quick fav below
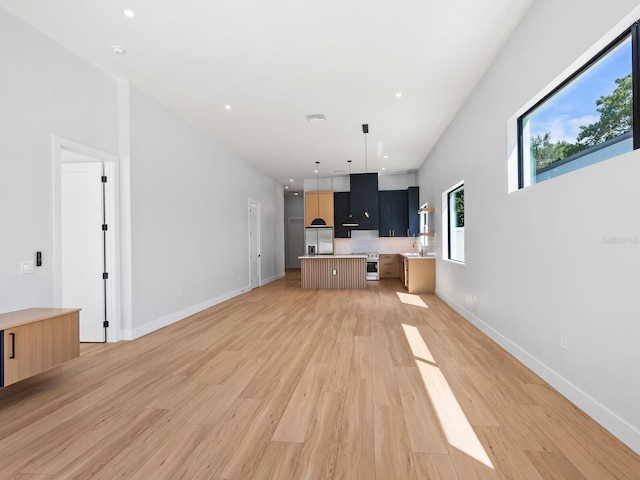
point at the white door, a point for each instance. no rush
(295, 242)
(254, 244)
(82, 246)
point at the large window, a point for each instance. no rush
(587, 119)
(454, 227)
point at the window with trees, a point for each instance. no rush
(587, 119)
(453, 200)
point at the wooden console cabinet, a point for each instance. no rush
(35, 340)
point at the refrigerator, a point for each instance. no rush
(320, 239)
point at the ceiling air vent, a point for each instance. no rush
(315, 117)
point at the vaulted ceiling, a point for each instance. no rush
(404, 68)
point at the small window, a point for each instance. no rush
(453, 207)
(587, 119)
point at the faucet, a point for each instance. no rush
(419, 246)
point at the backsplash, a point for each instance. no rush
(364, 241)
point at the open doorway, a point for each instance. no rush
(85, 238)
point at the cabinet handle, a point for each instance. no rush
(13, 345)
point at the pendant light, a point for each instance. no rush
(318, 221)
(350, 221)
(365, 130)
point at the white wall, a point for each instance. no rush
(44, 90)
(189, 218)
(537, 263)
(186, 243)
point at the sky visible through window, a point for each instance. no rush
(575, 105)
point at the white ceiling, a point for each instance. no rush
(275, 62)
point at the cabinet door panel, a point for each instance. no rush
(38, 346)
(321, 200)
(340, 214)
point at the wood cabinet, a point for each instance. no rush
(35, 340)
(323, 200)
(394, 218)
(418, 274)
(341, 205)
(413, 203)
(399, 213)
(364, 197)
(388, 265)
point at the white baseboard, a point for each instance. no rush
(182, 314)
(273, 279)
(624, 431)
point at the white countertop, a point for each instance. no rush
(331, 256)
(411, 256)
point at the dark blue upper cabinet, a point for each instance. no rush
(413, 204)
(364, 200)
(394, 221)
(341, 203)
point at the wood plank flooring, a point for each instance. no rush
(288, 384)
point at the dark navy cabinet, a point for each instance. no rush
(394, 221)
(413, 204)
(340, 213)
(364, 198)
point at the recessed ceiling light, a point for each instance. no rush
(383, 169)
(286, 186)
(118, 50)
(296, 194)
(291, 179)
(399, 95)
(386, 156)
(129, 13)
(227, 107)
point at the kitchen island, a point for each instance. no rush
(333, 271)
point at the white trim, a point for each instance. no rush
(111, 164)
(259, 259)
(623, 430)
(187, 312)
(124, 153)
(445, 224)
(182, 314)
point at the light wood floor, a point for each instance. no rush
(283, 383)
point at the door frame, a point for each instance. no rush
(65, 150)
(259, 259)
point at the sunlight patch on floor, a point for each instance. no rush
(418, 347)
(454, 422)
(410, 299)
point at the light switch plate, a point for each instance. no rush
(26, 267)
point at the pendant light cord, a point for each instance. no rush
(366, 169)
(318, 186)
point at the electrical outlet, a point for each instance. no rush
(26, 267)
(564, 342)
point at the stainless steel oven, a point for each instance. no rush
(373, 267)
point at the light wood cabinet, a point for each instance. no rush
(311, 202)
(418, 274)
(35, 340)
(388, 265)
